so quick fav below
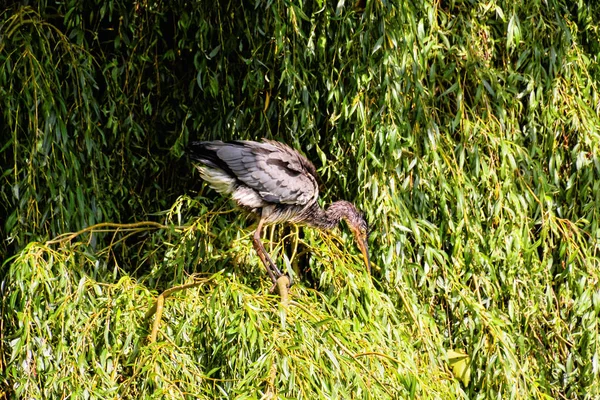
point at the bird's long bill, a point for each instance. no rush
(364, 249)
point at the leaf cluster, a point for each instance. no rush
(467, 131)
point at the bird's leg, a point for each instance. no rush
(272, 270)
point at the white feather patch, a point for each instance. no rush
(217, 179)
(225, 184)
(247, 197)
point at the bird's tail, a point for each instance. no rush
(206, 153)
(213, 170)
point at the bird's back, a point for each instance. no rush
(257, 174)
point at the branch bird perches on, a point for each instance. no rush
(277, 184)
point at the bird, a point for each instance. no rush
(278, 185)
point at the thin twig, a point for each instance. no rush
(157, 308)
(65, 237)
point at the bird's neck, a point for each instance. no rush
(331, 217)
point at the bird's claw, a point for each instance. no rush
(290, 280)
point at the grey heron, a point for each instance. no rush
(276, 183)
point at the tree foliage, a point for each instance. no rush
(468, 132)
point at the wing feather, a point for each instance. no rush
(274, 171)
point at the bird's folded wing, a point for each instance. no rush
(275, 172)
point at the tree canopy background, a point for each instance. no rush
(467, 130)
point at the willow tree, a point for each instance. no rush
(468, 131)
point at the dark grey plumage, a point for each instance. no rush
(276, 183)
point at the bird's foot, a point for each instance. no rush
(282, 278)
(282, 285)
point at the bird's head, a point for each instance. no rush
(358, 225)
(356, 222)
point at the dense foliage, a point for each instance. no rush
(468, 132)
